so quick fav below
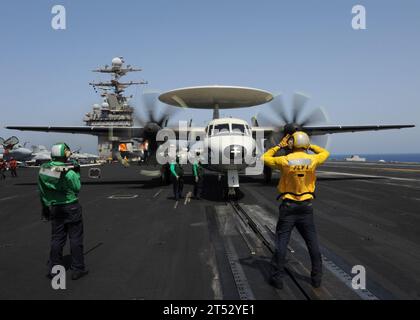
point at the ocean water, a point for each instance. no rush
(388, 157)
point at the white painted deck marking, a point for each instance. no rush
(367, 176)
(157, 193)
(9, 198)
(188, 198)
(123, 196)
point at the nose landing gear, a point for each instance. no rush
(229, 185)
(232, 194)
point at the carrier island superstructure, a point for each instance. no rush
(115, 111)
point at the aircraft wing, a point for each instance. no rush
(321, 130)
(266, 131)
(91, 130)
(329, 129)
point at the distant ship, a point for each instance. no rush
(356, 158)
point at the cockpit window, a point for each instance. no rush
(219, 128)
(238, 128)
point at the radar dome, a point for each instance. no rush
(117, 62)
(105, 105)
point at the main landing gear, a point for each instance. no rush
(268, 173)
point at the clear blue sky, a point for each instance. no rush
(361, 77)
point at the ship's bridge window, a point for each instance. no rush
(221, 128)
(238, 128)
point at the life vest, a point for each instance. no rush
(179, 169)
(298, 172)
(13, 164)
(200, 170)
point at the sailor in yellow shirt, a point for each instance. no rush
(296, 189)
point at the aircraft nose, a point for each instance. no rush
(234, 152)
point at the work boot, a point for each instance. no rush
(76, 274)
(276, 283)
(316, 280)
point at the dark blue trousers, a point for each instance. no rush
(301, 216)
(178, 186)
(198, 186)
(66, 221)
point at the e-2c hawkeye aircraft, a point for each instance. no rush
(225, 143)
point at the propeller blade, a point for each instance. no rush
(276, 137)
(254, 121)
(138, 119)
(273, 140)
(277, 106)
(150, 101)
(155, 113)
(322, 140)
(299, 101)
(266, 119)
(165, 115)
(317, 116)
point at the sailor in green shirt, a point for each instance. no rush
(59, 186)
(177, 174)
(198, 174)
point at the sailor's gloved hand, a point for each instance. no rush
(284, 142)
(76, 166)
(196, 179)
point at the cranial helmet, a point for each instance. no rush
(60, 150)
(301, 140)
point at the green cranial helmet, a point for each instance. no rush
(60, 150)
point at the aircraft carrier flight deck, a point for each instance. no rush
(141, 244)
